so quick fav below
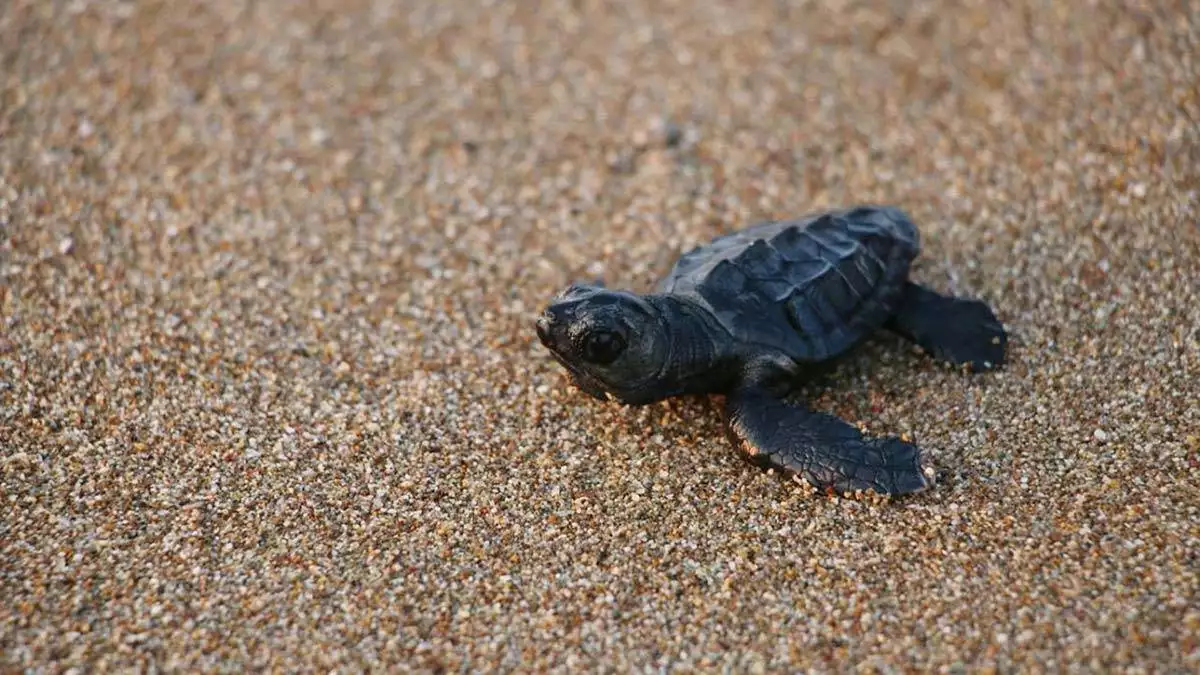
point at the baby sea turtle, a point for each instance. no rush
(750, 314)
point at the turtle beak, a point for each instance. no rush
(550, 326)
(588, 388)
(543, 329)
(546, 325)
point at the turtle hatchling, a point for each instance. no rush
(748, 316)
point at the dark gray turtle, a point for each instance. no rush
(753, 312)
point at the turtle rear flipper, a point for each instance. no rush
(958, 330)
(825, 450)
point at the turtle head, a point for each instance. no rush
(612, 342)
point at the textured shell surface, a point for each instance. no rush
(810, 287)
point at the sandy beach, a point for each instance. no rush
(271, 398)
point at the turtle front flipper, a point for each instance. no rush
(825, 450)
(957, 330)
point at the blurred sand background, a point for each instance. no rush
(270, 397)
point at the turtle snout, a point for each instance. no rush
(543, 329)
(545, 326)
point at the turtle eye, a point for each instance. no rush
(603, 347)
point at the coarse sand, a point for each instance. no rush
(271, 398)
